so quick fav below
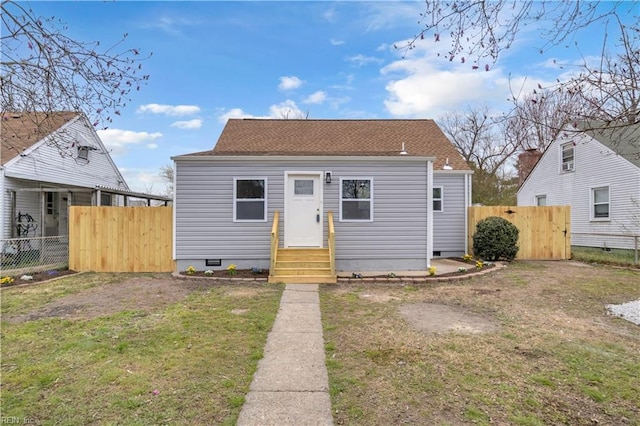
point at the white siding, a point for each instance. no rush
(45, 164)
(42, 166)
(395, 240)
(595, 166)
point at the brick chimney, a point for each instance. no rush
(526, 161)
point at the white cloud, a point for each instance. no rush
(424, 84)
(196, 123)
(233, 113)
(173, 110)
(361, 60)
(152, 145)
(286, 109)
(117, 140)
(316, 98)
(336, 42)
(289, 83)
(145, 180)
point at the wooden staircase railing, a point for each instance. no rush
(331, 242)
(275, 240)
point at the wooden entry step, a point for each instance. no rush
(302, 266)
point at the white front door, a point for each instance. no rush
(303, 209)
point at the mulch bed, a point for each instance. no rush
(39, 276)
(240, 273)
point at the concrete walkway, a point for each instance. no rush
(291, 385)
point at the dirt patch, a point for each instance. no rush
(438, 318)
(144, 294)
(240, 273)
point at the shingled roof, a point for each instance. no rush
(20, 130)
(421, 138)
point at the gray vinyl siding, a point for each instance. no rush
(396, 239)
(595, 166)
(450, 224)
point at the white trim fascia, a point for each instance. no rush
(175, 209)
(403, 158)
(452, 172)
(467, 204)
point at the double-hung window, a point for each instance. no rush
(541, 200)
(600, 202)
(568, 155)
(249, 200)
(356, 199)
(437, 198)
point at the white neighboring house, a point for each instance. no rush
(597, 173)
(48, 163)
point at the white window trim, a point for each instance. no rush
(538, 196)
(592, 216)
(441, 199)
(572, 164)
(265, 199)
(370, 199)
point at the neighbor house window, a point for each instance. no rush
(250, 200)
(356, 201)
(437, 198)
(568, 157)
(600, 198)
(83, 152)
(541, 200)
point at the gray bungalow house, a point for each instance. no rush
(310, 198)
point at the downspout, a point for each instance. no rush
(429, 212)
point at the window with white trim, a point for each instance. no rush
(568, 156)
(600, 203)
(249, 200)
(83, 152)
(541, 200)
(356, 199)
(438, 195)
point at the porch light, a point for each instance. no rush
(327, 177)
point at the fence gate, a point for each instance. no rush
(545, 232)
(120, 239)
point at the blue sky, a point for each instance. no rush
(215, 60)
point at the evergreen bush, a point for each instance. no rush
(495, 239)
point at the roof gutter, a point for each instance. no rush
(206, 158)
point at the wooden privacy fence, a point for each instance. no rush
(121, 239)
(545, 232)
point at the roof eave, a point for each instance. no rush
(218, 157)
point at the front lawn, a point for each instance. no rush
(131, 349)
(557, 357)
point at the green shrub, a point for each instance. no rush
(495, 239)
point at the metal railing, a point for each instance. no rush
(616, 244)
(34, 254)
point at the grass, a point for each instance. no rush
(557, 359)
(189, 361)
(608, 257)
